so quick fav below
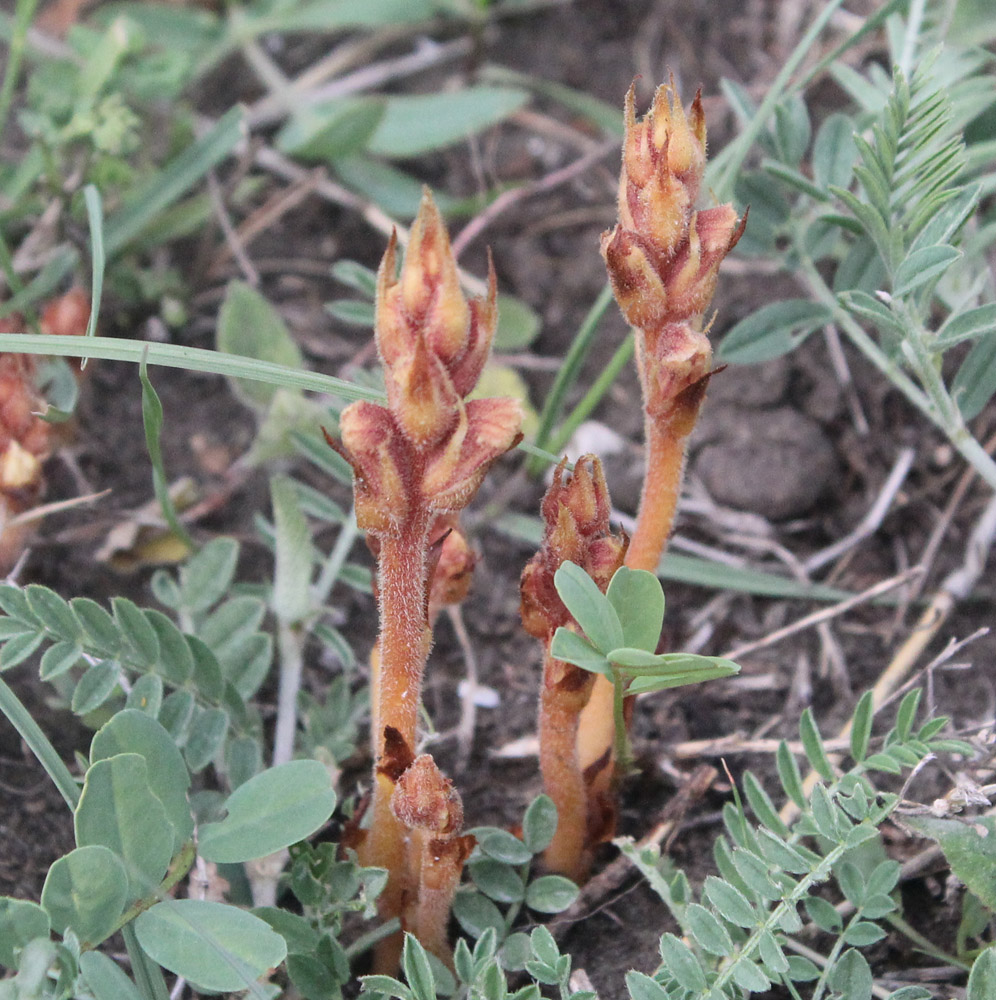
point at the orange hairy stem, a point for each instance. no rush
(576, 512)
(565, 691)
(663, 260)
(416, 462)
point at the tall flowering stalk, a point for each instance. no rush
(663, 260)
(422, 456)
(576, 512)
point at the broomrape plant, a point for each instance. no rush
(883, 208)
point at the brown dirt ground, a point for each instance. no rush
(546, 251)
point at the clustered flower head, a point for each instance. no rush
(663, 257)
(430, 447)
(575, 512)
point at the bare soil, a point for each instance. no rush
(780, 468)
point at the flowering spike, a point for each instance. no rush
(423, 455)
(663, 259)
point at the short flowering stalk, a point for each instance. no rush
(663, 261)
(576, 515)
(422, 456)
(430, 809)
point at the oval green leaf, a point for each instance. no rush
(216, 947)
(638, 599)
(86, 891)
(589, 606)
(270, 811)
(118, 810)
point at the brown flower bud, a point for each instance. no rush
(454, 562)
(377, 451)
(576, 512)
(487, 428)
(424, 799)
(432, 341)
(663, 164)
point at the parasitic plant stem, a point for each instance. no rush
(416, 462)
(663, 260)
(576, 515)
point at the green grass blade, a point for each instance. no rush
(569, 372)
(192, 358)
(95, 215)
(152, 420)
(173, 181)
(594, 395)
(723, 169)
(20, 718)
(24, 12)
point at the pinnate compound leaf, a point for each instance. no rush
(731, 904)
(214, 946)
(638, 599)
(106, 979)
(851, 976)
(133, 731)
(118, 810)
(270, 811)
(772, 331)
(982, 979)
(589, 606)
(86, 891)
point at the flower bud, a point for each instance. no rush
(576, 512)
(375, 448)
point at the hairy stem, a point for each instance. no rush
(563, 775)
